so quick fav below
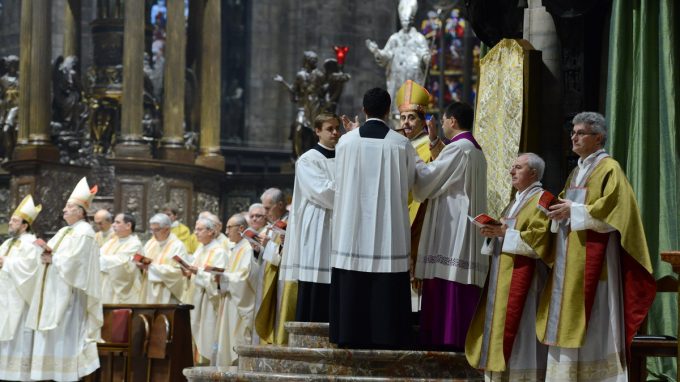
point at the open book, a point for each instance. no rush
(482, 220)
(139, 258)
(213, 270)
(181, 261)
(252, 236)
(545, 201)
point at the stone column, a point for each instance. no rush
(72, 29)
(210, 155)
(172, 144)
(539, 30)
(25, 72)
(131, 143)
(41, 73)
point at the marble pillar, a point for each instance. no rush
(35, 83)
(25, 72)
(210, 154)
(130, 143)
(172, 144)
(539, 30)
(72, 14)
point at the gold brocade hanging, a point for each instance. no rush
(499, 116)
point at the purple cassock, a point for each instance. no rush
(447, 306)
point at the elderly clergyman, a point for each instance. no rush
(501, 339)
(601, 284)
(66, 308)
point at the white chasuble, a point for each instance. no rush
(455, 185)
(307, 248)
(237, 306)
(17, 280)
(371, 233)
(121, 279)
(66, 309)
(206, 299)
(163, 282)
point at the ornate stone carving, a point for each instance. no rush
(69, 113)
(406, 55)
(133, 196)
(53, 190)
(207, 202)
(4, 205)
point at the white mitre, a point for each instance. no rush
(82, 195)
(27, 210)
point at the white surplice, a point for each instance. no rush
(371, 233)
(455, 185)
(307, 247)
(163, 282)
(66, 309)
(121, 279)
(237, 310)
(206, 299)
(17, 280)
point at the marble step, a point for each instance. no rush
(215, 374)
(308, 334)
(351, 362)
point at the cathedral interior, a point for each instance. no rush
(205, 103)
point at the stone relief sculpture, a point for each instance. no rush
(9, 104)
(69, 113)
(313, 91)
(406, 55)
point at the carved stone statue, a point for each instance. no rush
(304, 92)
(69, 113)
(333, 83)
(406, 55)
(9, 103)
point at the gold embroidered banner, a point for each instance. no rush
(499, 115)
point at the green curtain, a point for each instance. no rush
(642, 113)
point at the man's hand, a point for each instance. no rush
(192, 269)
(493, 230)
(371, 45)
(46, 258)
(432, 129)
(349, 125)
(560, 211)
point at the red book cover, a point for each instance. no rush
(180, 261)
(213, 270)
(546, 200)
(41, 243)
(252, 236)
(138, 257)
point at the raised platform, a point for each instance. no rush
(311, 357)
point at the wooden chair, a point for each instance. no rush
(116, 345)
(648, 345)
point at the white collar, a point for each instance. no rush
(521, 195)
(376, 119)
(325, 147)
(590, 159)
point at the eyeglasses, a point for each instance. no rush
(154, 230)
(256, 216)
(581, 133)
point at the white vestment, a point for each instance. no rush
(102, 237)
(237, 310)
(371, 233)
(455, 185)
(66, 309)
(121, 279)
(206, 299)
(163, 282)
(307, 247)
(17, 280)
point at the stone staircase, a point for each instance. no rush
(311, 357)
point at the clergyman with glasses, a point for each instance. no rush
(601, 285)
